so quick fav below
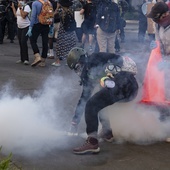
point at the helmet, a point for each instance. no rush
(74, 56)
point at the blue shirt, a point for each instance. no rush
(36, 9)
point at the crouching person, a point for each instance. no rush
(119, 85)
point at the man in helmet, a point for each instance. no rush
(119, 85)
(90, 69)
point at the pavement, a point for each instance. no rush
(36, 106)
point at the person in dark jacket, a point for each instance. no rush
(8, 20)
(119, 85)
(107, 24)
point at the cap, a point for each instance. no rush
(157, 10)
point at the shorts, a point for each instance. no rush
(56, 28)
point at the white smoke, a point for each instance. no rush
(137, 123)
(34, 125)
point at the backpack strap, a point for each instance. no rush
(43, 1)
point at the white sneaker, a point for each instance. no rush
(56, 64)
(26, 62)
(18, 62)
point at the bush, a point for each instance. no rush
(5, 163)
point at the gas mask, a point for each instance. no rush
(22, 3)
(78, 68)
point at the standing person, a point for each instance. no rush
(107, 24)
(23, 23)
(56, 28)
(89, 12)
(40, 26)
(159, 62)
(142, 21)
(2, 18)
(124, 7)
(120, 85)
(9, 20)
(151, 29)
(67, 38)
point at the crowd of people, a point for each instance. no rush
(20, 18)
(102, 24)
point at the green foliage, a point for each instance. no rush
(5, 163)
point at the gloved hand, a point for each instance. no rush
(153, 45)
(29, 32)
(51, 31)
(164, 65)
(107, 82)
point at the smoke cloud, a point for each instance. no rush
(32, 125)
(137, 123)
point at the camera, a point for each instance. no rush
(12, 1)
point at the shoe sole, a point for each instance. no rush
(50, 57)
(35, 64)
(90, 151)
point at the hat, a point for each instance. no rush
(158, 9)
(66, 3)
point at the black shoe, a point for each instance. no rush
(1, 42)
(12, 41)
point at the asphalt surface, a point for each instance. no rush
(25, 82)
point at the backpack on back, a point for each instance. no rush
(47, 13)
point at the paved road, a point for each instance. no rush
(35, 110)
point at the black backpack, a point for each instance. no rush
(109, 17)
(68, 21)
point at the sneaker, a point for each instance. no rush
(50, 57)
(106, 135)
(90, 48)
(73, 130)
(90, 146)
(56, 64)
(26, 62)
(18, 62)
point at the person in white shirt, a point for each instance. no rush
(23, 22)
